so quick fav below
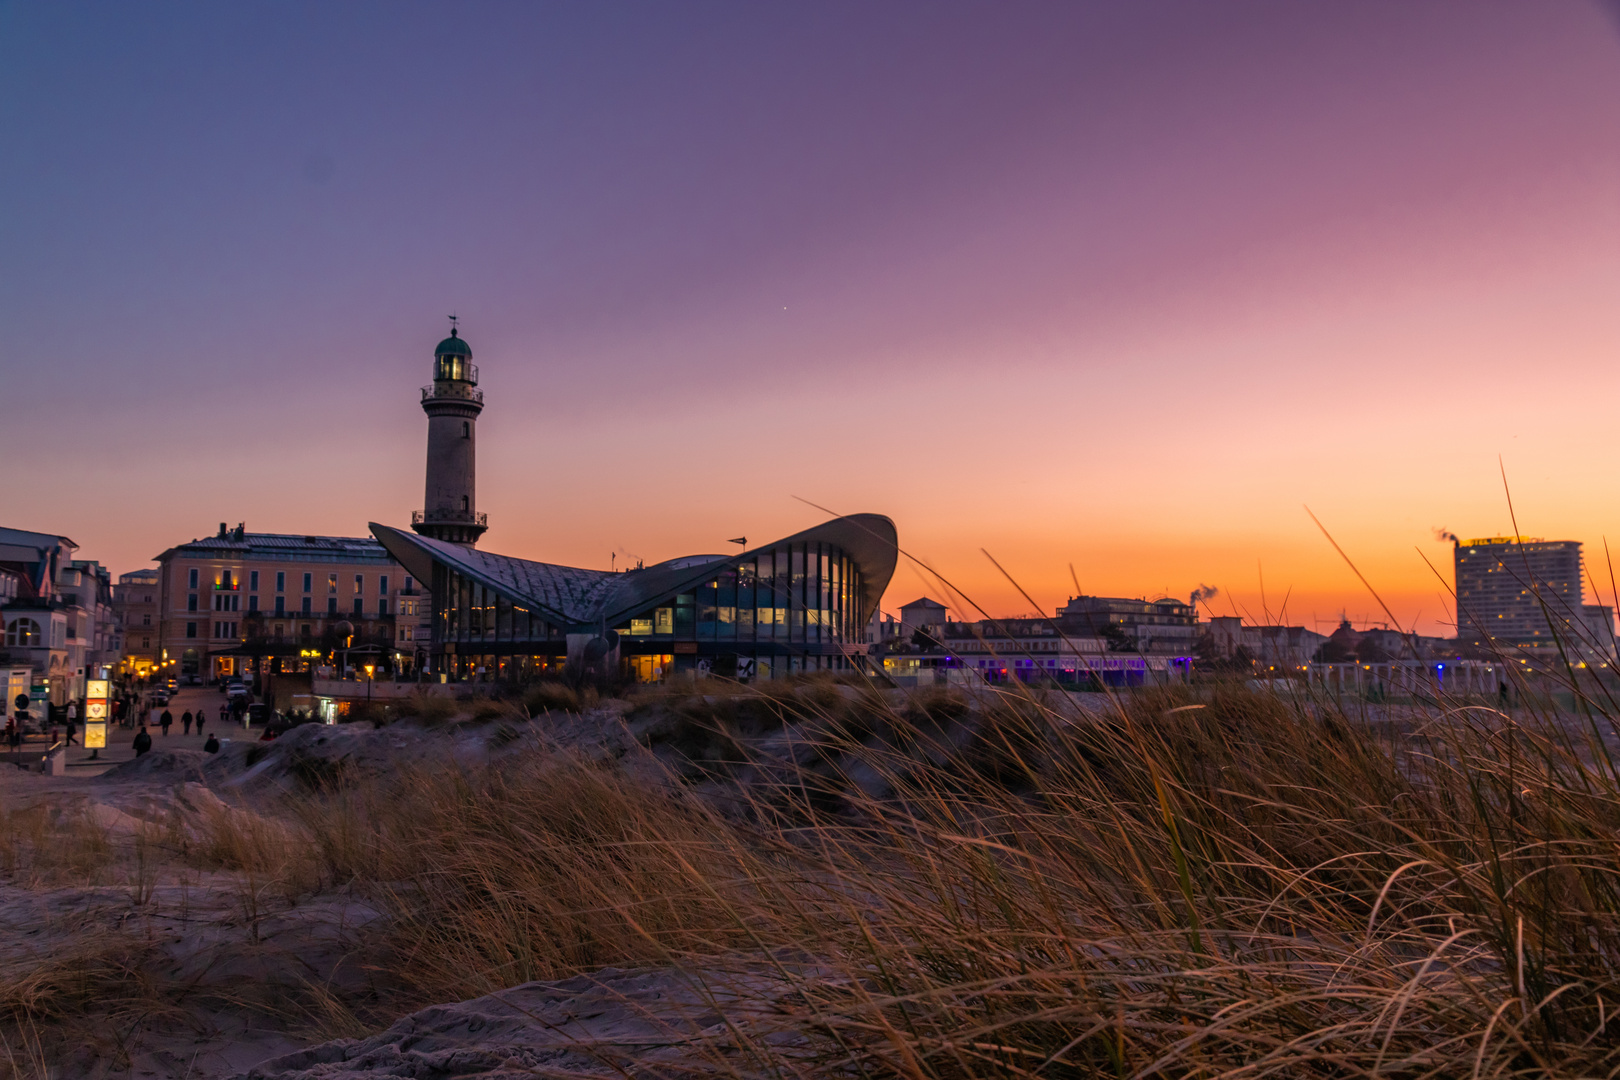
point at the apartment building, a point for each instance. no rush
(237, 599)
(136, 608)
(1526, 594)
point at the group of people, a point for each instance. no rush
(143, 739)
(230, 711)
(164, 720)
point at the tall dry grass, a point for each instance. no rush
(1188, 883)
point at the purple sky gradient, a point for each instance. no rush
(1121, 285)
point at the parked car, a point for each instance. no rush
(236, 688)
(193, 680)
(173, 684)
(160, 697)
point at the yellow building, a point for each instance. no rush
(237, 600)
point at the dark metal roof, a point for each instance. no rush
(573, 596)
(567, 594)
(280, 545)
(453, 346)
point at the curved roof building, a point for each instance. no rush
(798, 604)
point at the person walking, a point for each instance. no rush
(224, 713)
(72, 720)
(143, 741)
(202, 714)
(165, 720)
(185, 721)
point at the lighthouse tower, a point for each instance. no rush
(450, 509)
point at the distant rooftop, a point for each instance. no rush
(240, 544)
(1485, 540)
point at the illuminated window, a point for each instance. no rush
(23, 633)
(359, 584)
(331, 583)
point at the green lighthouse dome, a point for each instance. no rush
(453, 346)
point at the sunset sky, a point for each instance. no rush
(1119, 286)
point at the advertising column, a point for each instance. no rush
(96, 693)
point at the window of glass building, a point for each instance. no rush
(705, 598)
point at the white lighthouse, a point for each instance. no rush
(450, 508)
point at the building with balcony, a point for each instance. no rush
(1163, 626)
(56, 614)
(232, 602)
(452, 403)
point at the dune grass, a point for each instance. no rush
(1190, 883)
(1181, 882)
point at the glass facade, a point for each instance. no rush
(793, 608)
